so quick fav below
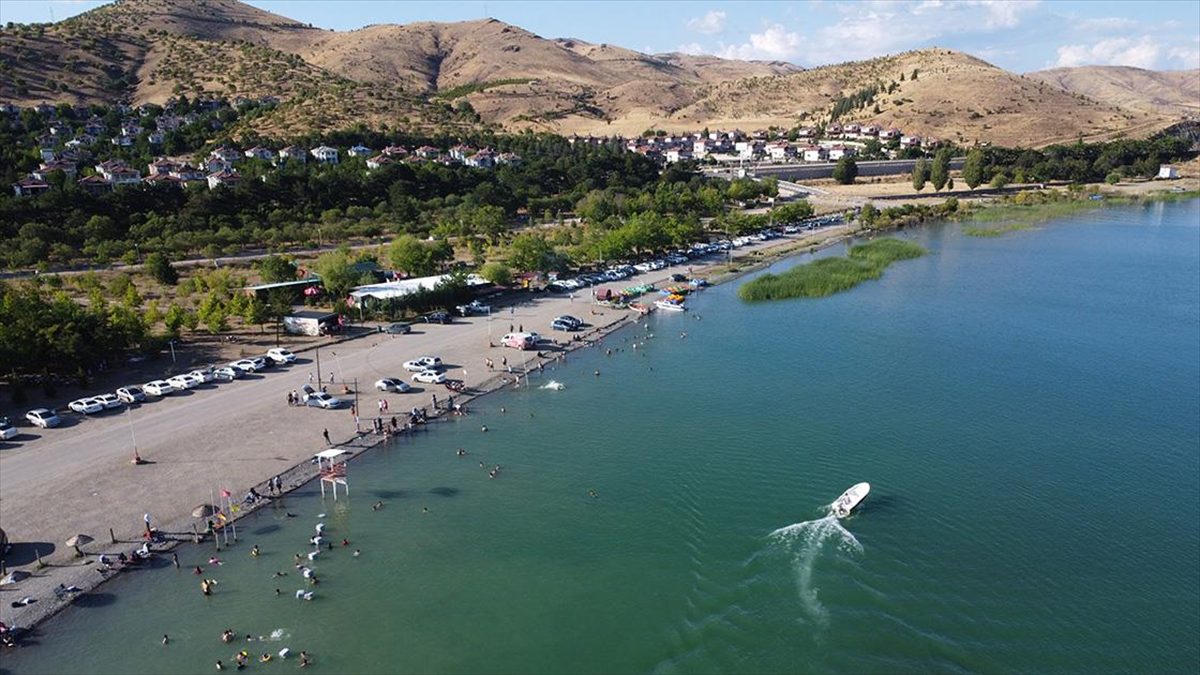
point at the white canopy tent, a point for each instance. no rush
(399, 289)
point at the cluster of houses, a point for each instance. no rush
(811, 144)
(218, 168)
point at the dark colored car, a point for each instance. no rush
(438, 317)
(398, 328)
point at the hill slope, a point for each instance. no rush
(421, 74)
(1170, 92)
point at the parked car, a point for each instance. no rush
(109, 401)
(438, 317)
(321, 399)
(86, 406)
(559, 324)
(280, 355)
(131, 394)
(41, 417)
(518, 341)
(228, 373)
(570, 319)
(430, 377)
(204, 375)
(250, 365)
(474, 307)
(7, 430)
(423, 363)
(183, 382)
(398, 328)
(393, 384)
(158, 388)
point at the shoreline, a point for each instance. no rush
(80, 573)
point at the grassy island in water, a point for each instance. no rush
(831, 275)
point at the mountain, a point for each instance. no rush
(452, 75)
(1170, 92)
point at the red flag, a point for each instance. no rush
(226, 493)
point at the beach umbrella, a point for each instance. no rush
(79, 540)
(203, 511)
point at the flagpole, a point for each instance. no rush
(212, 500)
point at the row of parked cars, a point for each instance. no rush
(90, 405)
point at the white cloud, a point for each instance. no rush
(775, 43)
(692, 48)
(1140, 53)
(711, 23)
(1187, 57)
(1004, 13)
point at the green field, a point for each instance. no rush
(831, 275)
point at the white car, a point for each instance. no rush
(430, 377)
(86, 406)
(109, 401)
(392, 384)
(131, 394)
(41, 417)
(423, 363)
(249, 365)
(205, 376)
(182, 382)
(158, 388)
(280, 355)
(321, 399)
(7, 430)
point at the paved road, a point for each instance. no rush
(801, 171)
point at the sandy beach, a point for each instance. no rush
(78, 479)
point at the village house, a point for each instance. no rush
(509, 158)
(155, 138)
(29, 186)
(461, 152)
(427, 152)
(678, 155)
(779, 151)
(162, 167)
(815, 153)
(259, 152)
(122, 141)
(889, 134)
(325, 154)
(226, 178)
(95, 184)
(484, 159)
(43, 172)
(379, 161)
(868, 131)
(394, 151)
(162, 179)
(225, 153)
(216, 165)
(118, 172)
(293, 153)
(359, 151)
(839, 151)
(188, 173)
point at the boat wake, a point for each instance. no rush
(804, 543)
(555, 385)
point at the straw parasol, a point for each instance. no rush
(203, 511)
(77, 541)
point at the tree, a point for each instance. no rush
(275, 269)
(255, 312)
(869, 214)
(336, 270)
(159, 267)
(939, 174)
(845, 171)
(920, 174)
(416, 257)
(999, 180)
(497, 273)
(175, 318)
(213, 313)
(1113, 178)
(191, 321)
(972, 172)
(530, 252)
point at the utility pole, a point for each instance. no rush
(318, 367)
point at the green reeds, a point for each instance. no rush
(831, 275)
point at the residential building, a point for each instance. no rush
(325, 154)
(293, 153)
(815, 153)
(226, 178)
(259, 152)
(29, 186)
(94, 184)
(359, 151)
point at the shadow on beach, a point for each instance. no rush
(23, 553)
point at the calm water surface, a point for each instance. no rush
(1026, 408)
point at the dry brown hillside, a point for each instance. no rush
(420, 75)
(1175, 92)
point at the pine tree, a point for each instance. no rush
(972, 172)
(940, 173)
(920, 174)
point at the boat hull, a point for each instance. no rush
(850, 499)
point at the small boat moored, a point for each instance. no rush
(670, 306)
(850, 499)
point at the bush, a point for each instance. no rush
(159, 267)
(1113, 178)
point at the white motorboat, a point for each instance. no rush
(669, 306)
(850, 499)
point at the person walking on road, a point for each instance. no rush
(326, 434)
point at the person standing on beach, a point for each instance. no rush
(435, 402)
(175, 559)
(326, 434)
(310, 377)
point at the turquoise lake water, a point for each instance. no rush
(1026, 408)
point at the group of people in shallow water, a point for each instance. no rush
(242, 658)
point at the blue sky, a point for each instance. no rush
(1020, 35)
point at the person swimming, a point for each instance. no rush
(345, 542)
(278, 574)
(356, 552)
(214, 560)
(376, 506)
(254, 551)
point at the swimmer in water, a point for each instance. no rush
(424, 509)
(345, 542)
(462, 453)
(356, 552)
(254, 551)
(197, 570)
(502, 409)
(484, 428)
(376, 506)
(220, 666)
(166, 639)
(278, 574)
(214, 560)
(592, 494)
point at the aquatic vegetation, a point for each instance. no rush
(831, 275)
(972, 231)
